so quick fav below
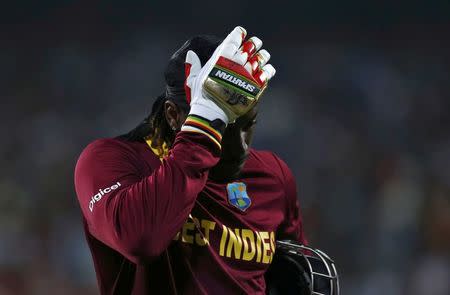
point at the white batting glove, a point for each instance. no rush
(231, 81)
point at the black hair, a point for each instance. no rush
(155, 126)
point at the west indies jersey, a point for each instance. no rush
(162, 227)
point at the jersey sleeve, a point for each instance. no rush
(292, 226)
(139, 215)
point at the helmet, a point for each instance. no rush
(174, 74)
(301, 270)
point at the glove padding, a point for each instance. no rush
(231, 81)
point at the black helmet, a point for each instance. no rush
(301, 270)
(203, 46)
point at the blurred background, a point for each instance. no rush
(359, 109)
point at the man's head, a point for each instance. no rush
(236, 141)
(176, 105)
(170, 110)
(237, 137)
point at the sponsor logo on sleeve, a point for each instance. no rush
(101, 192)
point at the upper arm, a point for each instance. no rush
(103, 175)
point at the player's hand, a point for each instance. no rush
(231, 81)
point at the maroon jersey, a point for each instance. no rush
(163, 227)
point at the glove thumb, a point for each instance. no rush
(192, 67)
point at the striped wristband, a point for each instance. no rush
(212, 129)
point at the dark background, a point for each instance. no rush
(359, 109)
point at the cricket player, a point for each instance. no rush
(182, 204)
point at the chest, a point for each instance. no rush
(236, 222)
(255, 202)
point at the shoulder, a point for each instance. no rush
(113, 148)
(107, 145)
(271, 161)
(105, 161)
(108, 153)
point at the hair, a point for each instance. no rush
(155, 126)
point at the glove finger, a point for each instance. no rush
(193, 59)
(265, 73)
(248, 49)
(240, 57)
(251, 46)
(262, 57)
(236, 36)
(248, 66)
(269, 70)
(192, 68)
(232, 42)
(228, 51)
(257, 61)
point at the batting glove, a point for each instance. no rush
(231, 81)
